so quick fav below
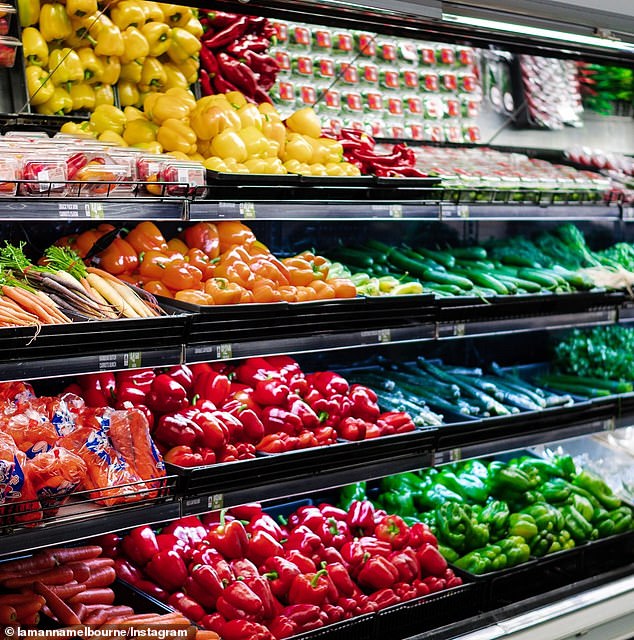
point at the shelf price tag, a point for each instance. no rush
(224, 351)
(94, 210)
(216, 501)
(609, 424)
(68, 209)
(628, 213)
(396, 211)
(247, 209)
(459, 329)
(132, 360)
(448, 210)
(108, 361)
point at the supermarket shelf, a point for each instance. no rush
(205, 352)
(87, 525)
(529, 211)
(294, 473)
(75, 365)
(87, 208)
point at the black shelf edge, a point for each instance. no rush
(529, 211)
(75, 365)
(102, 521)
(34, 208)
(205, 352)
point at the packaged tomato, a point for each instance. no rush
(448, 82)
(452, 108)
(445, 55)
(407, 52)
(394, 106)
(365, 44)
(306, 95)
(471, 133)
(281, 31)
(348, 73)
(389, 79)
(387, 50)
(465, 56)
(49, 175)
(369, 73)
(283, 61)
(302, 65)
(470, 107)
(352, 102)
(429, 82)
(148, 167)
(413, 106)
(324, 68)
(415, 130)
(434, 133)
(427, 55)
(6, 15)
(285, 93)
(453, 133)
(189, 178)
(395, 130)
(376, 128)
(409, 79)
(9, 172)
(342, 42)
(8, 48)
(331, 100)
(432, 108)
(373, 102)
(299, 37)
(103, 180)
(469, 83)
(322, 40)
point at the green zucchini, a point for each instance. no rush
(415, 267)
(448, 289)
(528, 285)
(484, 280)
(469, 253)
(577, 389)
(534, 275)
(353, 257)
(441, 257)
(577, 280)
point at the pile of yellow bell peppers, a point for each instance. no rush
(223, 132)
(76, 56)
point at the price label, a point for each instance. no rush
(94, 210)
(609, 424)
(68, 210)
(247, 209)
(132, 360)
(396, 211)
(441, 457)
(454, 210)
(216, 501)
(107, 361)
(385, 335)
(459, 329)
(224, 351)
(628, 213)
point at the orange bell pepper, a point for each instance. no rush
(147, 236)
(179, 275)
(153, 264)
(157, 288)
(119, 257)
(265, 291)
(223, 291)
(203, 236)
(236, 271)
(232, 232)
(246, 297)
(177, 246)
(193, 296)
(322, 290)
(270, 268)
(304, 294)
(300, 271)
(288, 293)
(201, 261)
(344, 288)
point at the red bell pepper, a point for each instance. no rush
(186, 605)
(276, 419)
(265, 523)
(280, 572)
(394, 530)
(183, 375)
(364, 403)
(183, 456)
(207, 580)
(140, 545)
(334, 613)
(248, 511)
(261, 587)
(329, 511)
(327, 555)
(420, 534)
(168, 570)
(303, 539)
(328, 383)
(305, 564)
(384, 598)
(169, 542)
(360, 517)
(435, 584)
(213, 622)
(189, 529)
(127, 571)
(208, 556)
(128, 392)
(262, 546)
(140, 378)
(252, 427)
(283, 627)
(244, 568)
(110, 543)
(98, 389)
(229, 538)
(396, 422)
(273, 392)
(377, 573)
(302, 409)
(166, 395)
(239, 601)
(405, 591)
(341, 579)
(309, 588)
(406, 564)
(451, 579)
(211, 385)
(200, 595)
(214, 432)
(244, 630)
(178, 429)
(306, 616)
(421, 588)
(431, 561)
(353, 428)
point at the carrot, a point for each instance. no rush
(66, 591)
(59, 575)
(98, 618)
(203, 634)
(98, 563)
(94, 596)
(48, 613)
(31, 620)
(61, 610)
(63, 555)
(50, 305)
(20, 598)
(101, 577)
(106, 289)
(111, 613)
(34, 563)
(98, 298)
(80, 610)
(81, 572)
(26, 609)
(17, 294)
(7, 614)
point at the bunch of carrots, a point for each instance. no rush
(211, 263)
(62, 289)
(72, 587)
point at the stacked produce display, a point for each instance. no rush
(489, 516)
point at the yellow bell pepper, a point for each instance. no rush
(166, 107)
(105, 117)
(148, 103)
(153, 12)
(179, 155)
(39, 86)
(131, 72)
(204, 148)
(82, 129)
(28, 12)
(256, 144)
(128, 13)
(111, 69)
(249, 115)
(189, 69)
(129, 95)
(79, 8)
(196, 157)
(34, 47)
(109, 40)
(175, 77)
(140, 130)
(104, 95)
(176, 135)
(54, 23)
(210, 119)
(183, 45)
(229, 144)
(183, 95)
(80, 32)
(274, 129)
(150, 147)
(157, 36)
(297, 148)
(93, 66)
(65, 67)
(194, 27)
(305, 121)
(176, 15)
(83, 97)
(135, 45)
(153, 76)
(59, 104)
(214, 163)
(133, 113)
(112, 137)
(265, 165)
(236, 99)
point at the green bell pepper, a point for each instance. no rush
(599, 489)
(582, 505)
(458, 527)
(435, 496)
(547, 517)
(515, 549)
(507, 480)
(467, 485)
(476, 468)
(566, 465)
(580, 529)
(542, 542)
(448, 553)
(622, 518)
(352, 492)
(495, 515)
(400, 503)
(522, 525)
(555, 491)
